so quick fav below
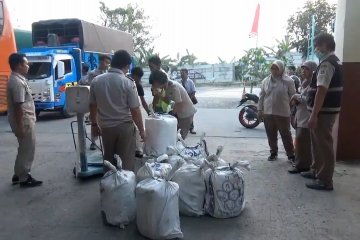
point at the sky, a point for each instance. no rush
(207, 28)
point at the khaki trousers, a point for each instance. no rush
(275, 124)
(323, 148)
(26, 151)
(184, 124)
(120, 140)
(303, 157)
(139, 143)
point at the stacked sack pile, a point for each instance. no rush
(172, 180)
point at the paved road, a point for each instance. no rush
(278, 204)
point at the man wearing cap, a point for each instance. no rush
(303, 157)
(324, 102)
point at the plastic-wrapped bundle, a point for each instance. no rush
(161, 132)
(198, 151)
(117, 195)
(158, 206)
(158, 166)
(225, 188)
(192, 189)
(174, 157)
(215, 160)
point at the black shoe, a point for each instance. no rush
(272, 157)
(139, 154)
(318, 185)
(309, 174)
(30, 182)
(295, 170)
(92, 146)
(291, 159)
(15, 180)
(192, 132)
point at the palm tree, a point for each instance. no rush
(188, 59)
(282, 50)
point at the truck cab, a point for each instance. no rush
(49, 75)
(59, 49)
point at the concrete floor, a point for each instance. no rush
(279, 206)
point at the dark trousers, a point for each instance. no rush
(303, 157)
(322, 145)
(275, 124)
(192, 126)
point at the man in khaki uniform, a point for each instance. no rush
(21, 116)
(324, 102)
(174, 91)
(104, 63)
(114, 107)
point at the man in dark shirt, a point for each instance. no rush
(136, 74)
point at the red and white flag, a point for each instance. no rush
(255, 26)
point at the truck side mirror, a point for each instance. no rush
(60, 69)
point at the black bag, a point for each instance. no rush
(194, 100)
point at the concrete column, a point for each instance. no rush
(347, 37)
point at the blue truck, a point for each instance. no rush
(60, 47)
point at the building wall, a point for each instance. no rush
(202, 74)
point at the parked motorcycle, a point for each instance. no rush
(248, 115)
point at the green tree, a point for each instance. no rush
(282, 51)
(188, 59)
(168, 61)
(143, 54)
(253, 64)
(130, 19)
(300, 22)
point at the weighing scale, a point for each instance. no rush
(89, 162)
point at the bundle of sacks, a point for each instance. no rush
(157, 200)
(185, 180)
(225, 190)
(117, 195)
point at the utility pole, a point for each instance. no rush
(311, 48)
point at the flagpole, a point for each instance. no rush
(257, 39)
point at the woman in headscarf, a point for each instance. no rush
(276, 92)
(303, 158)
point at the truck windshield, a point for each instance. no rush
(39, 70)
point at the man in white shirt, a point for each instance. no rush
(189, 86)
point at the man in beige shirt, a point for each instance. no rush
(21, 116)
(168, 90)
(114, 108)
(276, 92)
(104, 63)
